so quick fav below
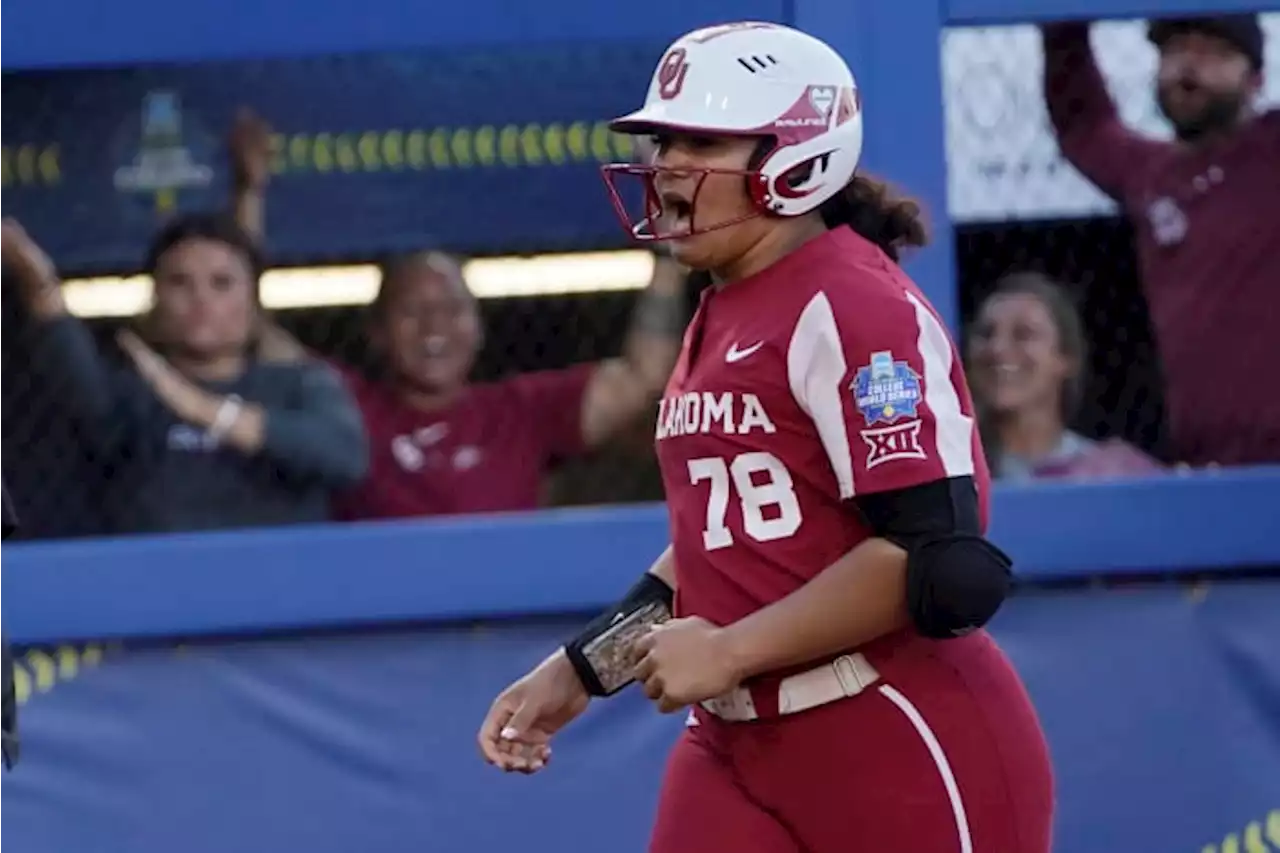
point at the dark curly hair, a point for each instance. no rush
(871, 208)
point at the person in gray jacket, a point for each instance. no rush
(204, 429)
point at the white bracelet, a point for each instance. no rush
(227, 414)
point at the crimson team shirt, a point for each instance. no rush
(488, 452)
(1209, 248)
(825, 377)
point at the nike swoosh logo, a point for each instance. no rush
(735, 354)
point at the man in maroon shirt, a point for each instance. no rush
(439, 445)
(1205, 208)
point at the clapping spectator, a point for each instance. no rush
(202, 431)
(1025, 358)
(1204, 207)
(441, 445)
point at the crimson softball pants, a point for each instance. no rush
(943, 755)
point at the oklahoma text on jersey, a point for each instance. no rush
(706, 411)
(824, 377)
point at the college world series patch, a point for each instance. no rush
(886, 391)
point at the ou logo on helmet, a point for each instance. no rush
(671, 74)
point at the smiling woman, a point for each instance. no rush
(1026, 359)
(441, 445)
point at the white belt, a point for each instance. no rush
(847, 675)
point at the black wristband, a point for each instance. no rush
(600, 653)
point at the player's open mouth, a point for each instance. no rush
(677, 213)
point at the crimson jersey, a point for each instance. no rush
(487, 452)
(824, 377)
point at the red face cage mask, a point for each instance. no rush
(656, 219)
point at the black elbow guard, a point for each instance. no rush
(955, 583)
(601, 652)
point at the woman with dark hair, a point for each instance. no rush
(204, 431)
(827, 493)
(1026, 357)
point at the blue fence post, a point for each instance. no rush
(895, 51)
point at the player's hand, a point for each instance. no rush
(682, 662)
(516, 733)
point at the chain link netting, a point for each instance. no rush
(64, 487)
(1014, 201)
(359, 160)
(1019, 205)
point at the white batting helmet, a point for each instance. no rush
(752, 79)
